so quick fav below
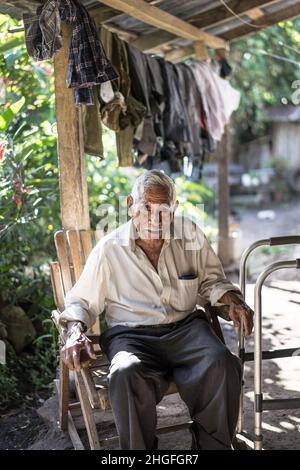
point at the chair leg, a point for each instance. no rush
(63, 396)
(87, 412)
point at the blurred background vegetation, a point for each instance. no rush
(29, 192)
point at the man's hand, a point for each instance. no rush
(77, 348)
(239, 312)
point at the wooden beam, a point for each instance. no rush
(198, 50)
(161, 19)
(181, 53)
(255, 14)
(266, 21)
(72, 174)
(153, 41)
(123, 34)
(121, 15)
(201, 52)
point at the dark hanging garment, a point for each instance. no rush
(141, 91)
(225, 68)
(157, 94)
(175, 118)
(88, 64)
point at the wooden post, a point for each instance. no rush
(200, 49)
(72, 173)
(224, 245)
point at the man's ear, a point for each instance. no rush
(176, 205)
(129, 205)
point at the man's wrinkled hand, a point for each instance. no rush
(78, 348)
(239, 312)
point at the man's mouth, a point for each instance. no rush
(154, 230)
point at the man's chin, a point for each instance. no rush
(151, 234)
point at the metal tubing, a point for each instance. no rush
(273, 241)
(258, 342)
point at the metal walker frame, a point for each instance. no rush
(258, 355)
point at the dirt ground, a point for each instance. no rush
(26, 429)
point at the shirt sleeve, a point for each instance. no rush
(214, 283)
(86, 300)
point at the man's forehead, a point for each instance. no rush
(158, 196)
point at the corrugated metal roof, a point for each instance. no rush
(221, 23)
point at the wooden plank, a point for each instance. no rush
(90, 387)
(127, 36)
(72, 174)
(74, 436)
(86, 242)
(63, 395)
(74, 246)
(181, 53)
(154, 41)
(57, 285)
(255, 13)
(160, 19)
(118, 15)
(62, 255)
(286, 13)
(201, 52)
(197, 49)
(87, 412)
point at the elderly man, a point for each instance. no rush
(151, 275)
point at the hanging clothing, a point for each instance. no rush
(175, 118)
(122, 113)
(88, 64)
(92, 129)
(230, 96)
(141, 90)
(157, 96)
(43, 31)
(212, 99)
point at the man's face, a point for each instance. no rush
(153, 215)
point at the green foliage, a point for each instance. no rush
(29, 209)
(264, 80)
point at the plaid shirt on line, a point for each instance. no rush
(88, 64)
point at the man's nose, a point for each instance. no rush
(155, 216)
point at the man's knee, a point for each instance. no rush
(124, 366)
(221, 359)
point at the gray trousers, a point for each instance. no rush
(143, 361)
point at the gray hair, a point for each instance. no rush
(153, 179)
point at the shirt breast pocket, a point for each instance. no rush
(185, 294)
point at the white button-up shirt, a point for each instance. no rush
(119, 278)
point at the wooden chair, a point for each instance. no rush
(91, 384)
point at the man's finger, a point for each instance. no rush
(247, 322)
(90, 350)
(76, 359)
(69, 359)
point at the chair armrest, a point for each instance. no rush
(62, 330)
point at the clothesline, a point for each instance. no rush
(160, 111)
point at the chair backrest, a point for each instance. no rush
(73, 248)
